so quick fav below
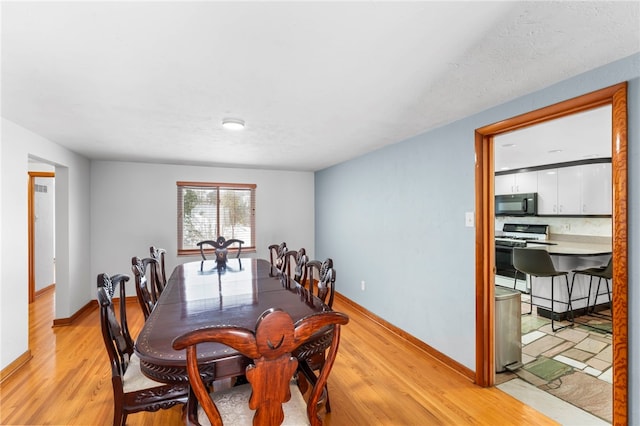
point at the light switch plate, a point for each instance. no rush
(469, 220)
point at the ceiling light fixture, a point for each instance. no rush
(233, 123)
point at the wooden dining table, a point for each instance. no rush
(199, 294)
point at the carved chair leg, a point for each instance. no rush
(327, 404)
(119, 416)
(303, 384)
(190, 409)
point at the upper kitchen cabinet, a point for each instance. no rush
(576, 190)
(595, 188)
(559, 191)
(548, 194)
(516, 183)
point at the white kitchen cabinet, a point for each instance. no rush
(575, 190)
(559, 191)
(548, 191)
(569, 195)
(596, 188)
(516, 183)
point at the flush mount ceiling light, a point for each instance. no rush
(233, 123)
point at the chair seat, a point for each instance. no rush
(538, 263)
(233, 404)
(134, 380)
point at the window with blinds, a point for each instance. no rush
(209, 210)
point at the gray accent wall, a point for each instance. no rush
(395, 218)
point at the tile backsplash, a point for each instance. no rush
(589, 226)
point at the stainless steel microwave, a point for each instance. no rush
(517, 204)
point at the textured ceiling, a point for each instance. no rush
(316, 82)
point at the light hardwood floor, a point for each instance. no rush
(378, 379)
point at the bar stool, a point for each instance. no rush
(600, 272)
(537, 263)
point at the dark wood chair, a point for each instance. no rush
(132, 391)
(158, 254)
(323, 287)
(221, 246)
(277, 256)
(147, 283)
(296, 264)
(271, 392)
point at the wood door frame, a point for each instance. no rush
(32, 227)
(616, 96)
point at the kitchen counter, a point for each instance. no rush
(573, 248)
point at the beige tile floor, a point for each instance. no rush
(573, 364)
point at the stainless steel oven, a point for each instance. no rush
(504, 258)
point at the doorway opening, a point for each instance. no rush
(616, 96)
(41, 211)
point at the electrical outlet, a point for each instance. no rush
(566, 227)
(362, 285)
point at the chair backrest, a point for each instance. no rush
(608, 270)
(145, 273)
(117, 338)
(296, 264)
(221, 246)
(324, 285)
(536, 262)
(269, 346)
(277, 256)
(158, 254)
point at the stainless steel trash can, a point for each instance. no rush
(508, 331)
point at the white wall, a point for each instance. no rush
(72, 227)
(4, 360)
(133, 206)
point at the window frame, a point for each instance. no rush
(248, 246)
